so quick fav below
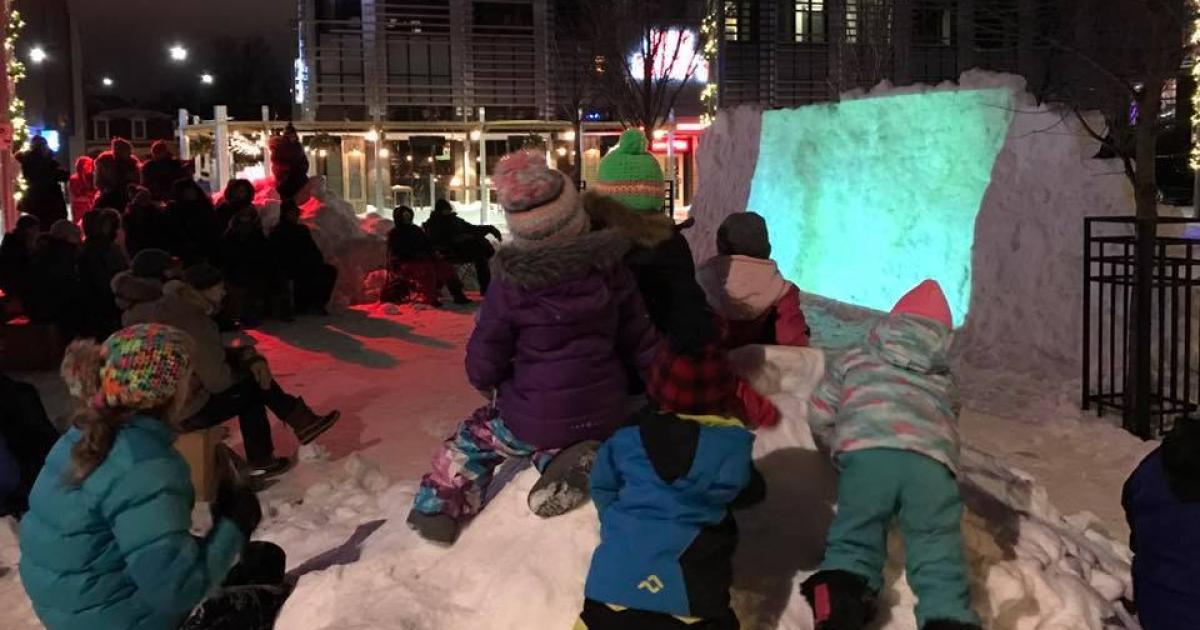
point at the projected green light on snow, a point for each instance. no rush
(866, 198)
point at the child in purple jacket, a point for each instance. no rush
(560, 330)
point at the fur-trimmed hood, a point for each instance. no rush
(644, 230)
(541, 266)
(130, 290)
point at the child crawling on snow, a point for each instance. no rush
(561, 329)
(889, 413)
(753, 302)
(663, 488)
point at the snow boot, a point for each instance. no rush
(273, 467)
(437, 528)
(941, 624)
(564, 483)
(840, 600)
(306, 424)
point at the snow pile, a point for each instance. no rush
(18, 612)
(1026, 294)
(1030, 568)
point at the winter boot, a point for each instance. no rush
(940, 624)
(259, 471)
(306, 424)
(564, 483)
(840, 600)
(437, 528)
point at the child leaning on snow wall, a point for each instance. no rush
(754, 304)
(561, 328)
(889, 413)
(663, 488)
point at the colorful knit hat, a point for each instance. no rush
(540, 204)
(140, 367)
(701, 382)
(632, 176)
(926, 300)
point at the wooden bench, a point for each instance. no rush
(199, 449)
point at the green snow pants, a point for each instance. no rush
(876, 485)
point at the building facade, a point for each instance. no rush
(784, 53)
(424, 60)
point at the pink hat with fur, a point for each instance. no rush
(541, 204)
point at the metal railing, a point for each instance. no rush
(1108, 291)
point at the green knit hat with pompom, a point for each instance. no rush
(631, 175)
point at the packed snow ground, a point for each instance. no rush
(396, 373)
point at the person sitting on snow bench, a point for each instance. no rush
(107, 541)
(461, 242)
(889, 413)
(558, 335)
(415, 271)
(230, 381)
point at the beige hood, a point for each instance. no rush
(741, 288)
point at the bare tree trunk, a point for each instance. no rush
(1137, 381)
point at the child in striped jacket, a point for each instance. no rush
(889, 413)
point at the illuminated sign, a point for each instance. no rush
(682, 145)
(677, 47)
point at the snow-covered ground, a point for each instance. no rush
(396, 373)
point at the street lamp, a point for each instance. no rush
(37, 54)
(207, 79)
(107, 82)
(178, 53)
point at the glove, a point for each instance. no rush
(261, 372)
(235, 500)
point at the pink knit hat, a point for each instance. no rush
(926, 300)
(541, 204)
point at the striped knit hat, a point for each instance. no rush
(540, 204)
(140, 367)
(632, 176)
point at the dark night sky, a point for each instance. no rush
(128, 39)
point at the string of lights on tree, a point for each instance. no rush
(1194, 45)
(708, 37)
(16, 73)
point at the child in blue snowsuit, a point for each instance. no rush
(1162, 505)
(663, 488)
(889, 413)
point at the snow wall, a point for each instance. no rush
(973, 183)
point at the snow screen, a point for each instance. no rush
(866, 198)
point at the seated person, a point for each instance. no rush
(106, 542)
(462, 242)
(754, 304)
(415, 271)
(230, 382)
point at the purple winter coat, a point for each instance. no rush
(560, 329)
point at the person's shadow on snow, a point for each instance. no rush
(783, 535)
(332, 342)
(360, 324)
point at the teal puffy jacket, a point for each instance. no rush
(116, 552)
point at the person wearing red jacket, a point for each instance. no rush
(754, 303)
(751, 301)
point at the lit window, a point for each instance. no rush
(139, 128)
(851, 21)
(737, 20)
(100, 128)
(810, 21)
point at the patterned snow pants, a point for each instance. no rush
(464, 466)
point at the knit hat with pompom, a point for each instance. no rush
(138, 368)
(540, 204)
(631, 175)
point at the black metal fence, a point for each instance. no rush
(1108, 291)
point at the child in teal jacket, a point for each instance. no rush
(106, 542)
(889, 413)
